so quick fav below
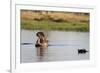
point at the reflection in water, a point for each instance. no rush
(40, 51)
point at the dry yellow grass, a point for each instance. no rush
(29, 15)
(69, 17)
(60, 16)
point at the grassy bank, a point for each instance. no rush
(48, 25)
(63, 21)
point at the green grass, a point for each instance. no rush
(49, 25)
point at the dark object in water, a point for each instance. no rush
(37, 45)
(26, 43)
(82, 51)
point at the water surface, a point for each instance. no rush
(63, 46)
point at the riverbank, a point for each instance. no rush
(48, 25)
(52, 20)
